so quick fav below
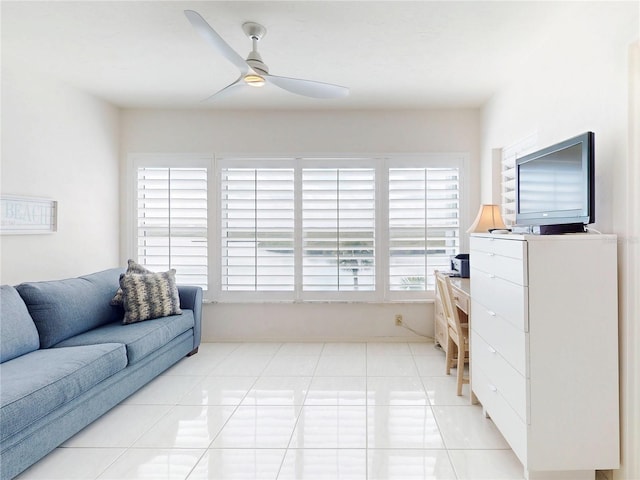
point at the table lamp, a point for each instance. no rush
(489, 218)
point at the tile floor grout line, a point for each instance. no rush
(366, 410)
(197, 462)
(295, 425)
(430, 406)
(124, 451)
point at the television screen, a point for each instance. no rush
(555, 184)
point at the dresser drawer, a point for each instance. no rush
(509, 268)
(501, 297)
(511, 342)
(505, 418)
(499, 246)
(507, 381)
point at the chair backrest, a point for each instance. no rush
(443, 284)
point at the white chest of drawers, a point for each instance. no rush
(544, 348)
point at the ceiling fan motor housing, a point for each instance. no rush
(255, 62)
(255, 32)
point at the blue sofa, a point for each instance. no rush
(66, 359)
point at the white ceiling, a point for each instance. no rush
(392, 54)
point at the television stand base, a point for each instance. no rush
(558, 229)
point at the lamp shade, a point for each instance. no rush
(488, 218)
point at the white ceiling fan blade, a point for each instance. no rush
(226, 90)
(308, 88)
(215, 40)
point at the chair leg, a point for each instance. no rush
(460, 372)
(448, 357)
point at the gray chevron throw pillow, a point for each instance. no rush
(149, 295)
(132, 267)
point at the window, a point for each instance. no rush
(338, 229)
(424, 225)
(257, 229)
(300, 229)
(171, 221)
(508, 175)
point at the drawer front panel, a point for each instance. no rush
(506, 248)
(509, 268)
(510, 384)
(511, 342)
(510, 425)
(461, 300)
(440, 325)
(500, 297)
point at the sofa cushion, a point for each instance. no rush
(36, 384)
(132, 267)
(64, 308)
(18, 334)
(147, 296)
(141, 339)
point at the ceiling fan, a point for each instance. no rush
(253, 71)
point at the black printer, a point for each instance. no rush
(460, 265)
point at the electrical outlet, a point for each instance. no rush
(604, 475)
(398, 319)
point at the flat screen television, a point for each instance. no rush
(555, 187)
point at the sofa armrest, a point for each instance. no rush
(191, 299)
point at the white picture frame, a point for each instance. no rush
(27, 215)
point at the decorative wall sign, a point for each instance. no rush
(27, 215)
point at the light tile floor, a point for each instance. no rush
(292, 411)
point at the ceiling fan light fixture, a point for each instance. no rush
(254, 80)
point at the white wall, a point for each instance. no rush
(583, 85)
(280, 132)
(62, 144)
(300, 131)
(630, 308)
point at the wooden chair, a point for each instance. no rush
(457, 333)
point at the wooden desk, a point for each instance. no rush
(462, 295)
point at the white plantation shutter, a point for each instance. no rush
(424, 225)
(338, 229)
(508, 175)
(172, 222)
(298, 228)
(257, 229)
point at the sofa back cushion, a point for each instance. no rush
(64, 308)
(18, 334)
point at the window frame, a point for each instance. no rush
(428, 160)
(216, 263)
(337, 163)
(380, 162)
(163, 160)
